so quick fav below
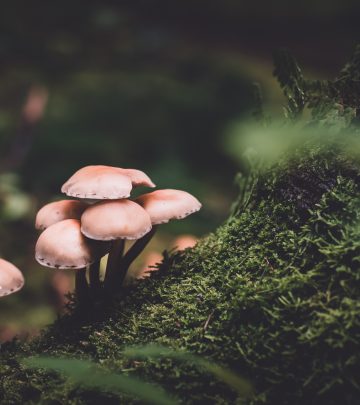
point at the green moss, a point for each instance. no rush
(279, 293)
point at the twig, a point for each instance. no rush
(208, 320)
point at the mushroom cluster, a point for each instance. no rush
(77, 233)
(11, 278)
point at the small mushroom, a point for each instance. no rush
(58, 211)
(11, 278)
(104, 182)
(63, 246)
(162, 206)
(184, 242)
(115, 220)
(119, 219)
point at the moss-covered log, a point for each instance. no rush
(274, 294)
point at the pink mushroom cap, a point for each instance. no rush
(120, 219)
(63, 246)
(104, 182)
(58, 211)
(164, 205)
(11, 278)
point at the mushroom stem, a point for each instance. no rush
(94, 276)
(115, 255)
(81, 285)
(132, 254)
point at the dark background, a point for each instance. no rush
(153, 85)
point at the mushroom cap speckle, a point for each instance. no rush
(63, 246)
(57, 211)
(164, 205)
(104, 182)
(11, 278)
(120, 219)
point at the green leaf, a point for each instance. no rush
(239, 384)
(88, 374)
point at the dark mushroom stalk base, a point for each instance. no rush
(81, 285)
(86, 288)
(94, 277)
(115, 256)
(119, 263)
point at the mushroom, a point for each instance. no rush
(184, 242)
(162, 206)
(11, 278)
(63, 246)
(104, 182)
(116, 221)
(58, 211)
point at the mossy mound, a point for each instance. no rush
(274, 294)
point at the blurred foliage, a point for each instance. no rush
(333, 105)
